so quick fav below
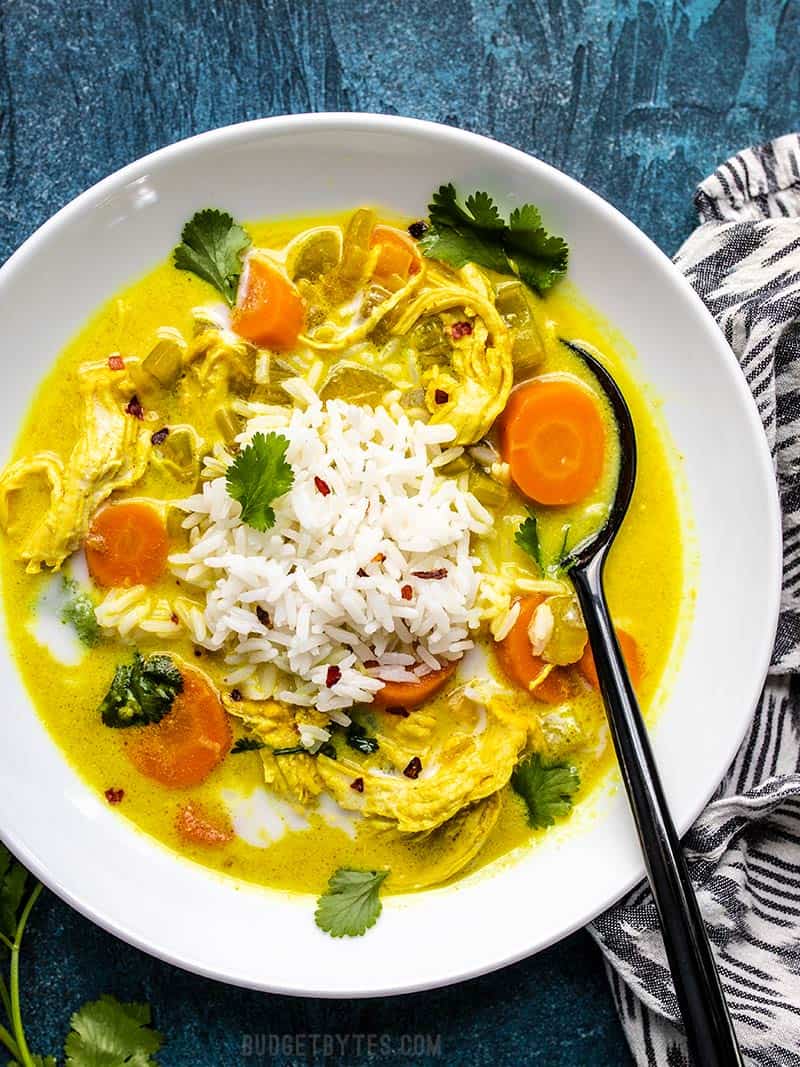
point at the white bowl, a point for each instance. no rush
(192, 917)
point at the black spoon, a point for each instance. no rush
(709, 1029)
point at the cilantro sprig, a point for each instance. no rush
(141, 692)
(474, 231)
(527, 537)
(547, 789)
(212, 247)
(351, 904)
(259, 475)
(103, 1033)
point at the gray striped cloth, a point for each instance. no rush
(744, 850)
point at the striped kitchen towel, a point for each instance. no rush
(744, 850)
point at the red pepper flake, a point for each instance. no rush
(135, 407)
(379, 557)
(114, 796)
(460, 329)
(361, 572)
(406, 592)
(198, 652)
(322, 487)
(440, 396)
(116, 362)
(358, 785)
(160, 436)
(174, 619)
(414, 767)
(333, 676)
(435, 576)
(400, 712)
(418, 229)
(262, 616)
(236, 694)
(371, 664)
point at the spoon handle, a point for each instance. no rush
(709, 1029)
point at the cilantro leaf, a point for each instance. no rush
(476, 232)
(141, 692)
(259, 475)
(78, 612)
(547, 789)
(106, 1033)
(212, 248)
(350, 904)
(13, 877)
(527, 537)
(358, 739)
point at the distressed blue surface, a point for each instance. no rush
(638, 100)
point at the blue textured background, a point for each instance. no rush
(638, 100)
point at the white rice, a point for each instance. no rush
(386, 500)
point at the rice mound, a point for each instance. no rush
(339, 580)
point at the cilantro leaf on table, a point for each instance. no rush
(212, 248)
(78, 612)
(141, 692)
(259, 475)
(475, 232)
(13, 877)
(351, 903)
(106, 1033)
(547, 789)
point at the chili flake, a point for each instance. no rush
(460, 329)
(236, 694)
(414, 767)
(262, 616)
(160, 436)
(440, 396)
(406, 592)
(400, 712)
(322, 486)
(436, 575)
(361, 572)
(116, 362)
(135, 408)
(418, 229)
(114, 796)
(358, 785)
(333, 675)
(370, 664)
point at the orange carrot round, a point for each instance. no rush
(553, 439)
(197, 827)
(397, 257)
(192, 738)
(521, 666)
(127, 544)
(630, 653)
(269, 310)
(412, 694)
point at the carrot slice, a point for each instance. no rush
(397, 257)
(630, 653)
(127, 544)
(553, 439)
(192, 738)
(522, 667)
(412, 694)
(197, 827)
(269, 310)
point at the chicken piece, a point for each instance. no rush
(451, 846)
(111, 452)
(293, 777)
(468, 756)
(471, 392)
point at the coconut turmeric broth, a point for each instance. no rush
(283, 559)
